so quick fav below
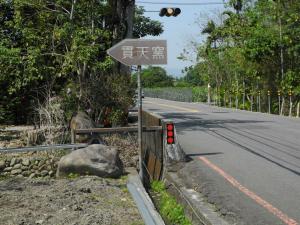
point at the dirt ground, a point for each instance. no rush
(87, 200)
(76, 201)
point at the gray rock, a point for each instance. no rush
(17, 166)
(51, 173)
(81, 120)
(26, 173)
(12, 162)
(15, 172)
(44, 173)
(25, 162)
(97, 159)
(35, 167)
(2, 164)
(20, 176)
(7, 169)
(31, 175)
(24, 168)
(41, 163)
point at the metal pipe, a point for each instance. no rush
(42, 148)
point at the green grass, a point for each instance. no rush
(168, 206)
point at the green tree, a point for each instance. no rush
(60, 44)
(154, 77)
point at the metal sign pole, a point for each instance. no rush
(140, 120)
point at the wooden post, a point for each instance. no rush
(298, 109)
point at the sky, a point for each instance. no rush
(181, 30)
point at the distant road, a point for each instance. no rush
(246, 163)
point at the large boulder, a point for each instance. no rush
(81, 120)
(97, 159)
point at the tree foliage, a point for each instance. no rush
(60, 44)
(154, 76)
(255, 48)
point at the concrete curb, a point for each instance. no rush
(196, 208)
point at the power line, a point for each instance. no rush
(177, 3)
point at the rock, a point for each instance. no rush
(17, 166)
(12, 162)
(2, 164)
(42, 167)
(81, 120)
(51, 173)
(20, 176)
(44, 173)
(25, 162)
(15, 172)
(99, 160)
(24, 168)
(7, 169)
(41, 163)
(31, 175)
(26, 173)
(35, 167)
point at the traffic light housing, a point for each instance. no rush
(169, 12)
(170, 133)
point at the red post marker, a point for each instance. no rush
(170, 133)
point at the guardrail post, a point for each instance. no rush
(73, 136)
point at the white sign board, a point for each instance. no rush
(140, 52)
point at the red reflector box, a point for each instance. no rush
(170, 133)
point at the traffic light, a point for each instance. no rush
(170, 133)
(169, 12)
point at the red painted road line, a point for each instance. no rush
(250, 194)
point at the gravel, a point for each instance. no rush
(79, 201)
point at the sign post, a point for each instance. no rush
(140, 123)
(140, 52)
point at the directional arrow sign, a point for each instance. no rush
(140, 52)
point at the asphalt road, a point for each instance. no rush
(247, 164)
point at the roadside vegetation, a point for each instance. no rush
(250, 59)
(55, 53)
(171, 211)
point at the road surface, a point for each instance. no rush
(247, 164)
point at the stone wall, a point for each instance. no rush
(24, 165)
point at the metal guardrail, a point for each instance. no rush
(143, 201)
(110, 130)
(43, 148)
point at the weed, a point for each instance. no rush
(73, 175)
(168, 205)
